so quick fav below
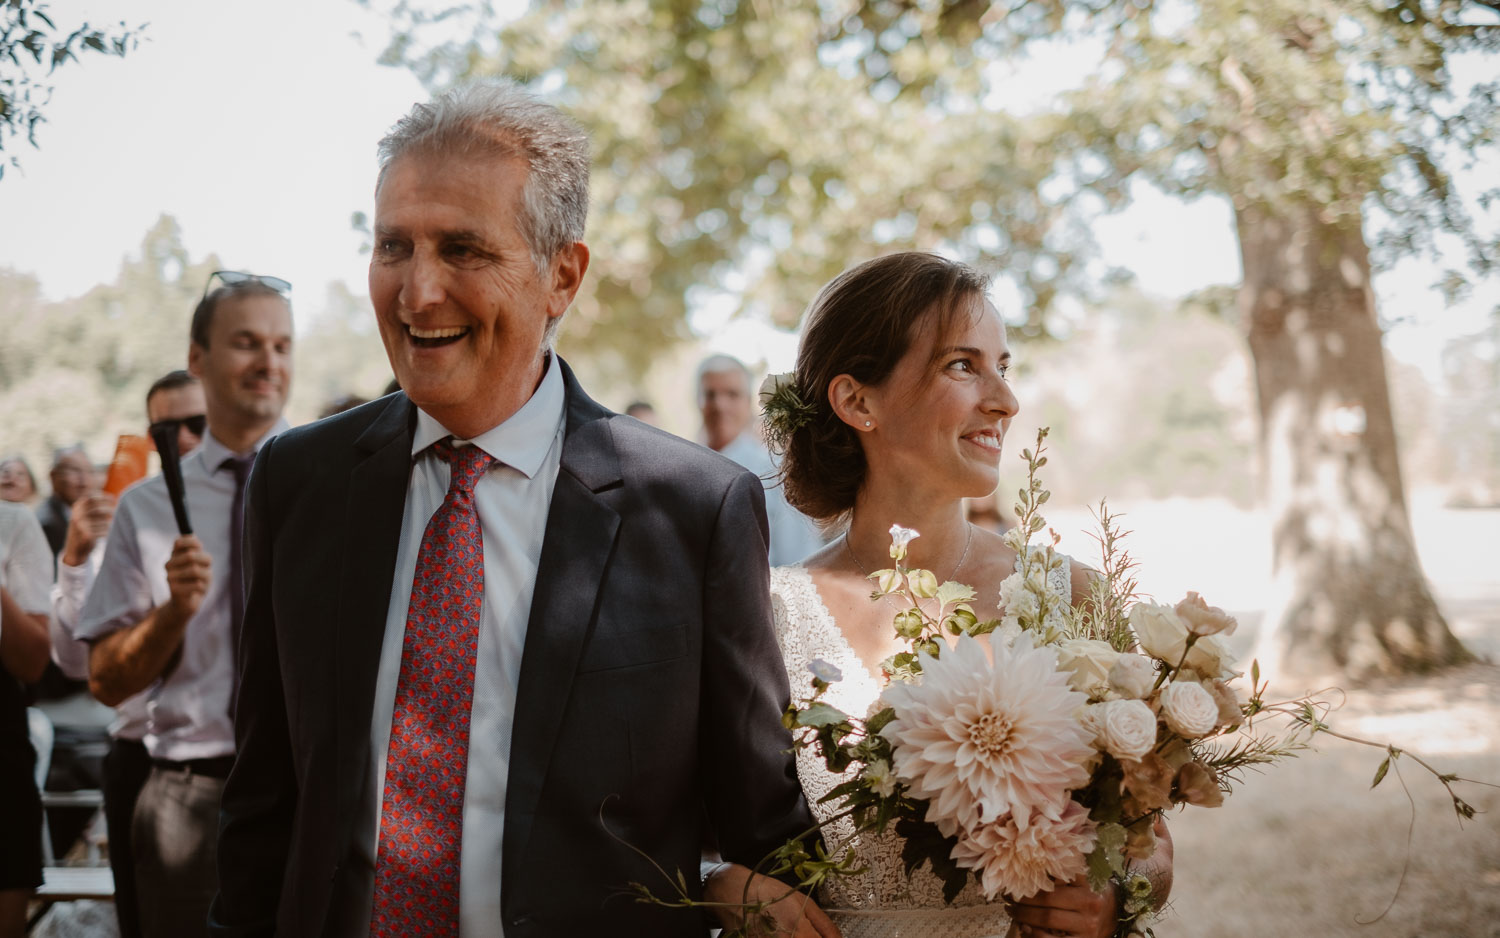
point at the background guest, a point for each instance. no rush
(164, 609)
(728, 407)
(70, 476)
(175, 398)
(17, 484)
(25, 573)
(642, 411)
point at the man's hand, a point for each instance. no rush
(189, 573)
(794, 913)
(89, 523)
(125, 662)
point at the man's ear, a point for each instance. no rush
(851, 401)
(568, 268)
(195, 359)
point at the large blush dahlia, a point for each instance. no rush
(980, 740)
(1021, 854)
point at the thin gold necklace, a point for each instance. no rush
(887, 597)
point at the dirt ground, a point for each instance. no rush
(1307, 848)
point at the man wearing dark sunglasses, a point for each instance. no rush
(164, 610)
(175, 398)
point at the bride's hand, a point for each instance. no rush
(795, 913)
(1072, 910)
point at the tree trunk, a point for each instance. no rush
(1348, 596)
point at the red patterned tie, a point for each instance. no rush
(422, 811)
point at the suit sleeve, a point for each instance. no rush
(751, 794)
(260, 797)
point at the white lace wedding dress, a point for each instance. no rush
(881, 902)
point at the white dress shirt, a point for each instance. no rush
(793, 534)
(512, 499)
(22, 544)
(188, 708)
(72, 655)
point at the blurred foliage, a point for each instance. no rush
(1471, 428)
(77, 370)
(1139, 362)
(759, 146)
(33, 47)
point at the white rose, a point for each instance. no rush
(1132, 675)
(1161, 633)
(1127, 728)
(1189, 710)
(774, 383)
(1087, 660)
(1211, 657)
(1203, 619)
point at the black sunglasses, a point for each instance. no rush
(231, 277)
(196, 424)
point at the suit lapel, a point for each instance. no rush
(372, 521)
(576, 549)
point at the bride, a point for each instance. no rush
(903, 364)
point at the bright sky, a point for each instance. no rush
(256, 130)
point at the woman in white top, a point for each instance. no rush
(903, 364)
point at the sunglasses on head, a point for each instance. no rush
(230, 278)
(195, 424)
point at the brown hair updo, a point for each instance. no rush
(860, 324)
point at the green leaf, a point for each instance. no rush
(1385, 766)
(878, 721)
(954, 592)
(821, 714)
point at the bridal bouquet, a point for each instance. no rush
(1030, 748)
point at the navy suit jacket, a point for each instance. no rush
(651, 686)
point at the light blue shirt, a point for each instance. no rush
(793, 534)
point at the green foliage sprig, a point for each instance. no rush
(784, 409)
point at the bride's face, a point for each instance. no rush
(941, 416)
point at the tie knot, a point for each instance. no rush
(465, 464)
(240, 466)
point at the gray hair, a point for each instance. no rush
(498, 118)
(720, 365)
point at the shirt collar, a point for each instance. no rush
(213, 453)
(523, 439)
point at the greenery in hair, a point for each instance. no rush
(783, 409)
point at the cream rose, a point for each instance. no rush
(1203, 619)
(1210, 657)
(1132, 675)
(1127, 728)
(1159, 630)
(1088, 662)
(1189, 710)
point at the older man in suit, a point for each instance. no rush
(498, 639)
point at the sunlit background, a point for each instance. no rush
(244, 137)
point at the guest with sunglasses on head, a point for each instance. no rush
(174, 399)
(165, 607)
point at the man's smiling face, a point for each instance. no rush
(462, 309)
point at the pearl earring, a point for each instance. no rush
(867, 423)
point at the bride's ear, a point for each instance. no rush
(850, 400)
